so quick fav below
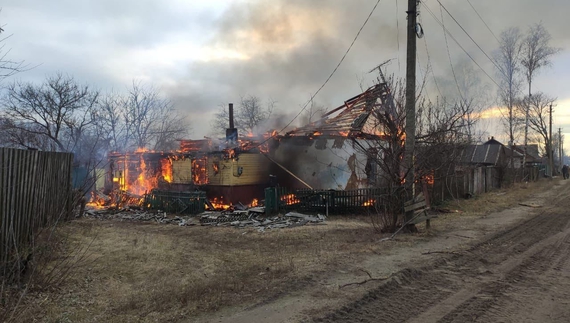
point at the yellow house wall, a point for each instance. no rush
(255, 170)
(182, 171)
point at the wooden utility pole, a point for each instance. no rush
(410, 102)
(560, 156)
(550, 148)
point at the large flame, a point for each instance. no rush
(144, 182)
(166, 167)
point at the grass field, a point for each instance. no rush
(147, 272)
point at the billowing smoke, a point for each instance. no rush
(284, 50)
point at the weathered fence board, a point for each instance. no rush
(35, 191)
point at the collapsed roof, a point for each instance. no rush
(355, 118)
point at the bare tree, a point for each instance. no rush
(8, 67)
(151, 120)
(508, 58)
(110, 121)
(473, 99)
(538, 106)
(249, 115)
(536, 54)
(440, 135)
(252, 114)
(315, 111)
(59, 110)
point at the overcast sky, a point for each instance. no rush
(205, 53)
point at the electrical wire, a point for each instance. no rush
(473, 40)
(398, 34)
(430, 64)
(458, 44)
(488, 28)
(328, 78)
(449, 55)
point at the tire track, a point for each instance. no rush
(475, 285)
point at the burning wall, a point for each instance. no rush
(141, 171)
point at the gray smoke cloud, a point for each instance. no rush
(294, 45)
(279, 50)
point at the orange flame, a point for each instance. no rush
(144, 183)
(429, 179)
(141, 150)
(166, 166)
(289, 199)
(369, 203)
(199, 171)
(219, 204)
(254, 203)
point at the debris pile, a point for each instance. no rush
(127, 207)
(248, 219)
(127, 214)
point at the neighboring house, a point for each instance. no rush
(532, 156)
(482, 167)
(490, 153)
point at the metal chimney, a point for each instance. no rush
(231, 132)
(231, 116)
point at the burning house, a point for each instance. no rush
(339, 151)
(336, 152)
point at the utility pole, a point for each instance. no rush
(550, 148)
(410, 102)
(560, 156)
(525, 136)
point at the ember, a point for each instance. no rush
(289, 199)
(254, 203)
(369, 203)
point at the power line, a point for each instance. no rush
(449, 55)
(488, 28)
(398, 34)
(458, 44)
(468, 35)
(430, 64)
(328, 78)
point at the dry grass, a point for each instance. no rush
(498, 200)
(146, 272)
(137, 272)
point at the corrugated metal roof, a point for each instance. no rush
(486, 154)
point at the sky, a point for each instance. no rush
(203, 54)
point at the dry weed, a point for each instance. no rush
(146, 272)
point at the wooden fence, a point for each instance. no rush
(309, 200)
(477, 180)
(35, 191)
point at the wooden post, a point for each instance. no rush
(410, 102)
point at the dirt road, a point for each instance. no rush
(518, 275)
